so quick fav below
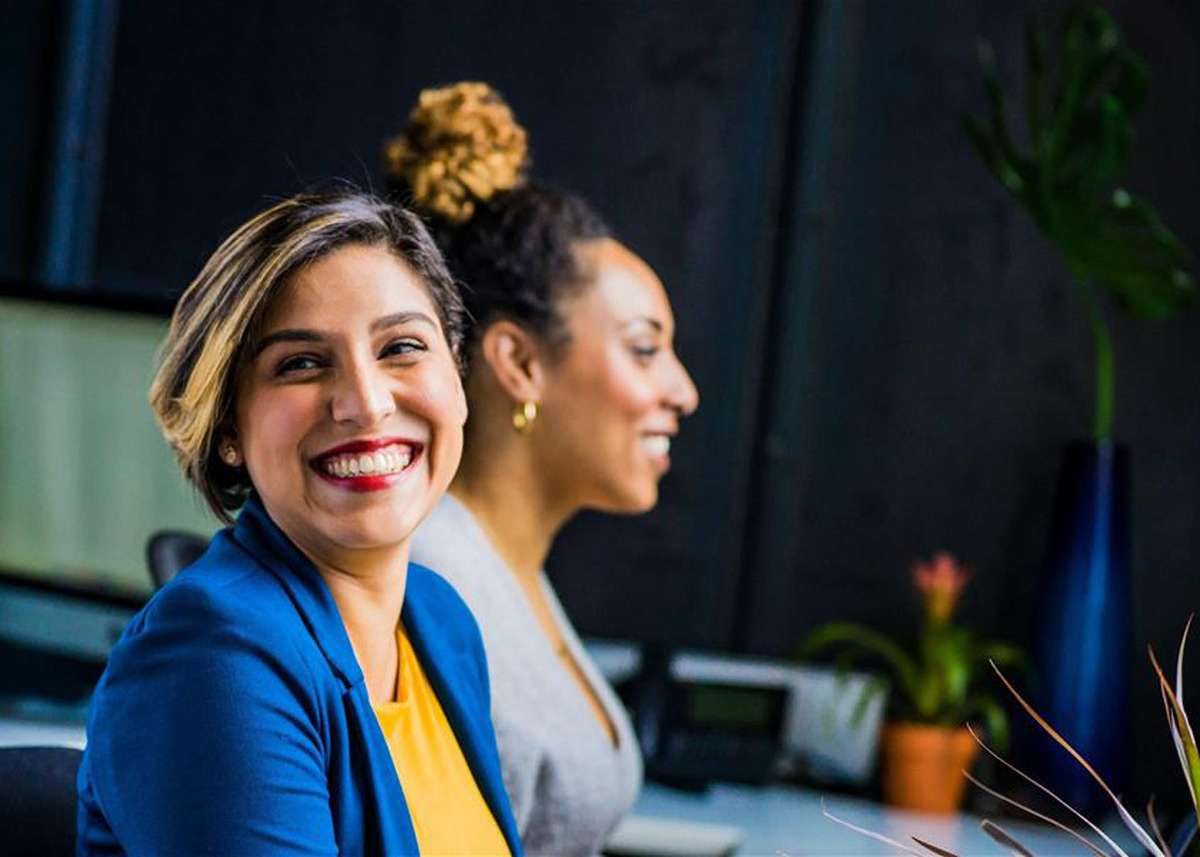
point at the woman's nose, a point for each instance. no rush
(363, 396)
(682, 394)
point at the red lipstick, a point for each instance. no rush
(357, 447)
(365, 482)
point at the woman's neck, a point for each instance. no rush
(513, 508)
(368, 589)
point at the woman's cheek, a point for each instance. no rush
(443, 403)
(273, 419)
(630, 386)
(639, 395)
(442, 398)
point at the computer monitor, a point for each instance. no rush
(85, 475)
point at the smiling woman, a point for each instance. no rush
(302, 688)
(575, 394)
(351, 348)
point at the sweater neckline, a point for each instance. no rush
(574, 646)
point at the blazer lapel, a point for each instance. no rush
(396, 832)
(258, 534)
(469, 714)
(262, 539)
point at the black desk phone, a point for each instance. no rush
(695, 728)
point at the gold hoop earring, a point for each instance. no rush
(524, 416)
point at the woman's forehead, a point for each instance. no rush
(623, 287)
(349, 286)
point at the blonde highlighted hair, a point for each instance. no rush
(193, 391)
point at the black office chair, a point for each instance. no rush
(170, 551)
(38, 799)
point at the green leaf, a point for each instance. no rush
(1007, 764)
(1100, 148)
(947, 655)
(1181, 732)
(997, 108)
(1005, 839)
(1003, 654)
(1136, 259)
(871, 688)
(1035, 80)
(848, 633)
(1131, 82)
(1136, 829)
(1079, 143)
(994, 716)
(1072, 83)
(1003, 171)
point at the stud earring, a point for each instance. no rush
(524, 416)
(229, 454)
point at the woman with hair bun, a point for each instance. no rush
(575, 394)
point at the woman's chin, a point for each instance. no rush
(371, 529)
(631, 499)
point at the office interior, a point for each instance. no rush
(891, 355)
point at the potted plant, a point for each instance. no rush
(1077, 138)
(926, 745)
(1150, 835)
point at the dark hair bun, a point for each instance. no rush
(461, 147)
(461, 162)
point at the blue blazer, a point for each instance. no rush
(233, 717)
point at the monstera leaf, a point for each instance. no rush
(1077, 145)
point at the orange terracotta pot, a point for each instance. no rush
(923, 766)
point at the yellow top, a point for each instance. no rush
(448, 811)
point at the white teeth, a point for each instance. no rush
(384, 462)
(656, 445)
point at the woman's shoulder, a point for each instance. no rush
(225, 586)
(216, 667)
(450, 544)
(223, 615)
(429, 594)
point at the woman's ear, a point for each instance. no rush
(515, 357)
(230, 450)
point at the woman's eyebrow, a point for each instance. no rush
(287, 335)
(398, 318)
(292, 334)
(645, 319)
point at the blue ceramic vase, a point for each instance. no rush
(1085, 622)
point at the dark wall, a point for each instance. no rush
(669, 116)
(28, 60)
(944, 359)
(890, 356)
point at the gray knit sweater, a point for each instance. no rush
(569, 786)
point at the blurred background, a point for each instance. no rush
(890, 355)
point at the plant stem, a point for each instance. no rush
(1105, 373)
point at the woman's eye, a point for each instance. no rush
(645, 353)
(402, 347)
(297, 363)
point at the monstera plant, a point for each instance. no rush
(1063, 165)
(1076, 142)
